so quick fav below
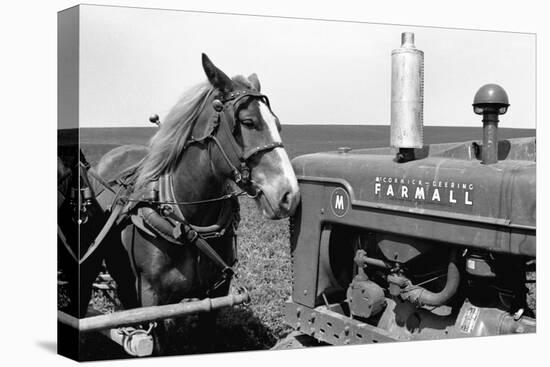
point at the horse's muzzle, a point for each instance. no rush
(280, 208)
(288, 203)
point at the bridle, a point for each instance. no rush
(226, 108)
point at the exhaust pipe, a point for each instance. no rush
(407, 98)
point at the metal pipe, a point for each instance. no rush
(489, 152)
(421, 296)
(146, 314)
(490, 101)
(362, 257)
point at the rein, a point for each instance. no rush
(231, 195)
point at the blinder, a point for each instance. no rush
(234, 101)
(228, 105)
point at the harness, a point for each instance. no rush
(163, 218)
(155, 210)
(81, 198)
(158, 212)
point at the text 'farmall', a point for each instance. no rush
(426, 191)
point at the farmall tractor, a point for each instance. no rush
(416, 241)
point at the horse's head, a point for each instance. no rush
(249, 142)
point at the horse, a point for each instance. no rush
(222, 136)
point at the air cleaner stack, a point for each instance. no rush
(407, 98)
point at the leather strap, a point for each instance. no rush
(104, 231)
(167, 194)
(250, 153)
(63, 239)
(184, 232)
(100, 179)
(178, 229)
(180, 232)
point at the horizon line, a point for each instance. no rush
(303, 124)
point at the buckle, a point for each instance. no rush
(166, 210)
(194, 235)
(245, 172)
(237, 176)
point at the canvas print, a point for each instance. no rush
(236, 183)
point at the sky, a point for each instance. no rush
(136, 62)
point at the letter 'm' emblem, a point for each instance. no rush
(339, 202)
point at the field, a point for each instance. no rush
(301, 139)
(264, 252)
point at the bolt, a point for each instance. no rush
(312, 317)
(346, 330)
(322, 211)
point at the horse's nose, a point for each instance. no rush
(289, 201)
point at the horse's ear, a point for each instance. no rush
(253, 79)
(216, 77)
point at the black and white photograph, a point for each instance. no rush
(237, 183)
(274, 183)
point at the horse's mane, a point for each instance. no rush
(168, 143)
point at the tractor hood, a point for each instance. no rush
(445, 181)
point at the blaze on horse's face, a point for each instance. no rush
(258, 126)
(270, 170)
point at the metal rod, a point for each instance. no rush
(67, 319)
(145, 314)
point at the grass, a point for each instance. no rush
(264, 269)
(264, 252)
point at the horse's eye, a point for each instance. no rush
(248, 122)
